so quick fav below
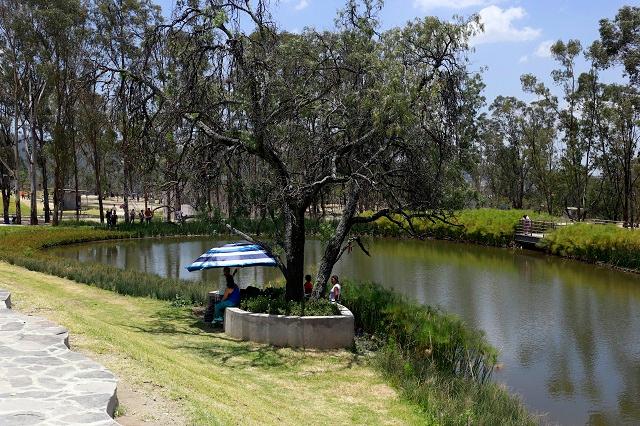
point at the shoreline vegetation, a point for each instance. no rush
(432, 358)
(436, 362)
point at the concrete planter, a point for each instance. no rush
(328, 332)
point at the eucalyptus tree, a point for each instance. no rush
(12, 17)
(505, 138)
(122, 29)
(619, 42)
(540, 139)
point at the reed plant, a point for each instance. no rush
(607, 244)
(433, 358)
(24, 247)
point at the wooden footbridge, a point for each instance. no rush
(532, 231)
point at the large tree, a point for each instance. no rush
(349, 109)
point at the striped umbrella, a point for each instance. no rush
(233, 255)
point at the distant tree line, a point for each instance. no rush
(575, 151)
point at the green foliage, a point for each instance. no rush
(432, 337)
(434, 358)
(23, 247)
(596, 243)
(481, 226)
(274, 303)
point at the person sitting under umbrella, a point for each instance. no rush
(231, 297)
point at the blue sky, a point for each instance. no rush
(517, 32)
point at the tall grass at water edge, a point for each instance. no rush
(433, 358)
(481, 226)
(24, 247)
(608, 244)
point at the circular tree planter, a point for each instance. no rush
(316, 332)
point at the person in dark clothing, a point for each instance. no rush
(231, 297)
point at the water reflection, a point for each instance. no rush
(569, 333)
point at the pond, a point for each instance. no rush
(568, 332)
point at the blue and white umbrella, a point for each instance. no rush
(233, 255)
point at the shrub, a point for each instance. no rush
(266, 303)
(427, 335)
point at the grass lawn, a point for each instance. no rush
(25, 209)
(213, 379)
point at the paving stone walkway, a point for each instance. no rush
(42, 382)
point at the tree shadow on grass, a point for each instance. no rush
(222, 350)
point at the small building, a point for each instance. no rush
(69, 197)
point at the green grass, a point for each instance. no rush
(480, 226)
(24, 247)
(215, 380)
(596, 243)
(25, 209)
(432, 358)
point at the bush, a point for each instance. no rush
(428, 335)
(266, 303)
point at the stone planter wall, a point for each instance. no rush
(327, 332)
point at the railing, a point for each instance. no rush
(618, 223)
(535, 228)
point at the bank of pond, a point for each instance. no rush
(565, 331)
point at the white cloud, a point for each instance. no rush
(523, 59)
(544, 49)
(302, 4)
(499, 26)
(449, 4)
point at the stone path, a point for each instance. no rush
(42, 382)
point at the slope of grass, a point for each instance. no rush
(480, 226)
(216, 380)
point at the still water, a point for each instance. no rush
(569, 333)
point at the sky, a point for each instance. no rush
(517, 37)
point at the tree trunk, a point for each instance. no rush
(16, 172)
(167, 210)
(6, 197)
(332, 250)
(96, 169)
(294, 249)
(33, 172)
(125, 196)
(45, 187)
(76, 188)
(177, 203)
